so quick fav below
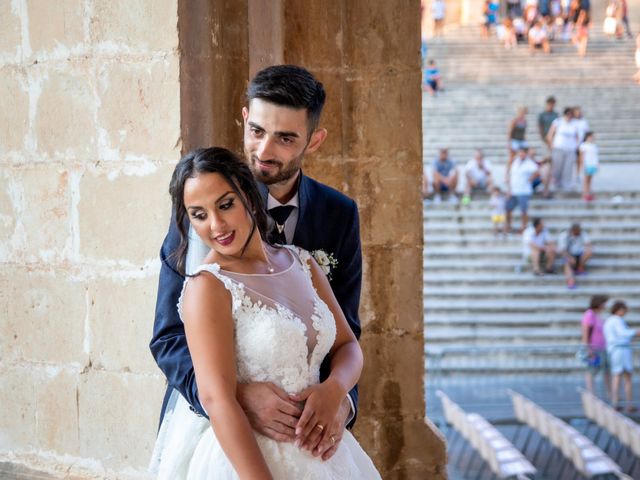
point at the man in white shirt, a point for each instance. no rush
(520, 176)
(538, 247)
(574, 246)
(477, 173)
(563, 136)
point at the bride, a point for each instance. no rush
(253, 312)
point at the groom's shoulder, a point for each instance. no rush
(324, 195)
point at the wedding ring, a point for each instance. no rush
(333, 439)
(319, 427)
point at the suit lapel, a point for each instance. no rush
(301, 233)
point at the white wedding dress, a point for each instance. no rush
(283, 330)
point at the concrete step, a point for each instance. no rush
(549, 305)
(495, 279)
(469, 293)
(503, 265)
(500, 249)
(485, 335)
(506, 319)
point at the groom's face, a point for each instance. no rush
(276, 139)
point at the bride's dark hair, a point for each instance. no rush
(234, 171)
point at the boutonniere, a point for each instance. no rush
(326, 261)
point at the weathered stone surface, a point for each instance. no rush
(121, 330)
(18, 412)
(44, 211)
(137, 25)
(7, 213)
(388, 358)
(65, 114)
(46, 315)
(381, 34)
(139, 108)
(57, 401)
(54, 25)
(10, 31)
(396, 277)
(404, 447)
(333, 114)
(382, 113)
(388, 190)
(321, 20)
(119, 416)
(14, 105)
(125, 218)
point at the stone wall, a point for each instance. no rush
(89, 132)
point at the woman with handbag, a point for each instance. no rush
(594, 351)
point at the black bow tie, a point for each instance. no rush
(279, 215)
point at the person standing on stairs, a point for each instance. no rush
(594, 344)
(563, 136)
(545, 119)
(618, 336)
(517, 134)
(520, 176)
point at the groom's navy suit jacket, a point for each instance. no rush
(327, 220)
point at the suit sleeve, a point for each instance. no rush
(348, 282)
(169, 342)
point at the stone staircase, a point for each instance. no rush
(476, 290)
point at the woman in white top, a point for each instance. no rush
(618, 337)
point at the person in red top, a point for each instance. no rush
(594, 343)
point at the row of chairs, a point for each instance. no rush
(503, 458)
(586, 457)
(623, 428)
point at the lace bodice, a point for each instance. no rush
(283, 330)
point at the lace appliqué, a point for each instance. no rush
(271, 340)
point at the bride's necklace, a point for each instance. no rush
(270, 268)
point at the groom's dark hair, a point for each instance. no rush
(234, 171)
(289, 86)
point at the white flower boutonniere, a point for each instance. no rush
(326, 261)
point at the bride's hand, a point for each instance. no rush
(322, 420)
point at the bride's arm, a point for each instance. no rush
(209, 328)
(323, 400)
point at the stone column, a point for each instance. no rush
(367, 54)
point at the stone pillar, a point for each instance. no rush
(214, 71)
(367, 54)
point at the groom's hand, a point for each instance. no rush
(269, 409)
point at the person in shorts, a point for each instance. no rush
(445, 177)
(618, 336)
(594, 345)
(497, 202)
(574, 246)
(589, 159)
(538, 247)
(521, 174)
(477, 174)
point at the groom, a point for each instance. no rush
(280, 127)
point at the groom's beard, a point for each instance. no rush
(282, 173)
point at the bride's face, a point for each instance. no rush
(217, 213)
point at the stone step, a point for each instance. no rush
(605, 212)
(528, 291)
(475, 226)
(549, 305)
(482, 334)
(597, 264)
(502, 319)
(497, 252)
(432, 241)
(592, 278)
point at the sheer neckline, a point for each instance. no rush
(291, 256)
